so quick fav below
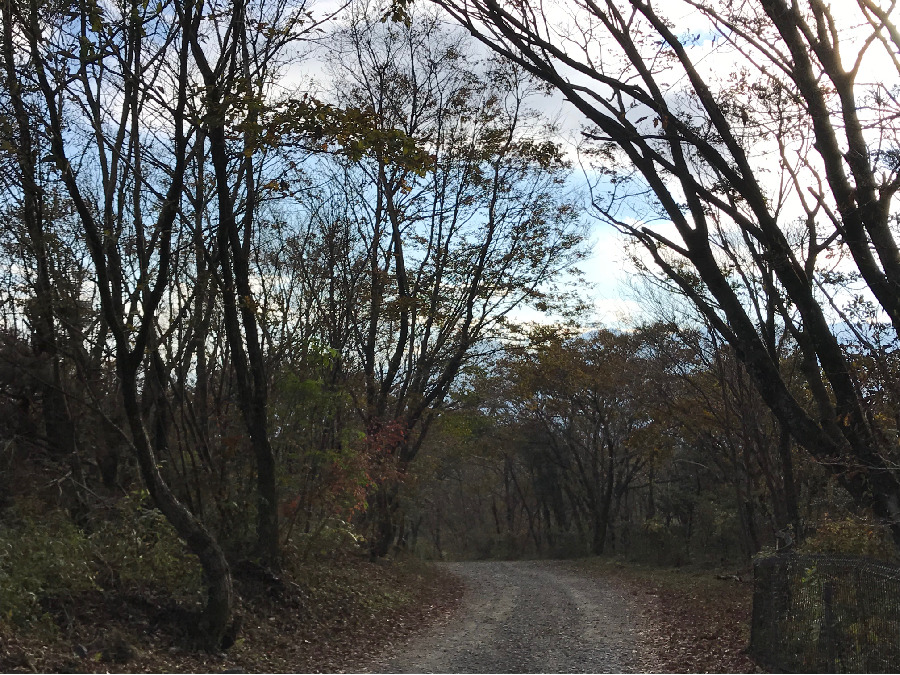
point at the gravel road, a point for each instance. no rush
(528, 617)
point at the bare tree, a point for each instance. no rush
(34, 207)
(104, 68)
(240, 51)
(739, 161)
(450, 248)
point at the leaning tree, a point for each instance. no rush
(741, 144)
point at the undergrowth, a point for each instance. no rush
(121, 588)
(46, 559)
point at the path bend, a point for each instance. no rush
(529, 617)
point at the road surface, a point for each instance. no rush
(528, 617)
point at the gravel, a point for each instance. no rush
(529, 617)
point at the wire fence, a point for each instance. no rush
(826, 614)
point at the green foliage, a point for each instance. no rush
(137, 545)
(331, 536)
(38, 559)
(45, 555)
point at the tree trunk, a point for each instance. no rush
(220, 595)
(58, 425)
(382, 514)
(247, 361)
(790, 486)
(601, 516)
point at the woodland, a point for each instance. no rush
(294, 296)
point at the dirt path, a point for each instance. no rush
(525, 617)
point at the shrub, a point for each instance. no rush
(39, 559)
(135, 544)
(46, 555)
(849, 535)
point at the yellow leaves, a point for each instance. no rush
(857, 536)
(351, 131)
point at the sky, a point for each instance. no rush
(715, 62)
(606, 269)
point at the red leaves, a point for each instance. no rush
(351, 473)
(382, 444)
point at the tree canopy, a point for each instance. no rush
(742, 182)
(268, 271)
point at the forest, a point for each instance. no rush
(294, 297)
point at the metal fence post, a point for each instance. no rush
(828, 625)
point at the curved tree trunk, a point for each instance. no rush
(220, 598)
(131, 347)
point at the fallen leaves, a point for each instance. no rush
(697, 633)
(334, 619)
(694, 622)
